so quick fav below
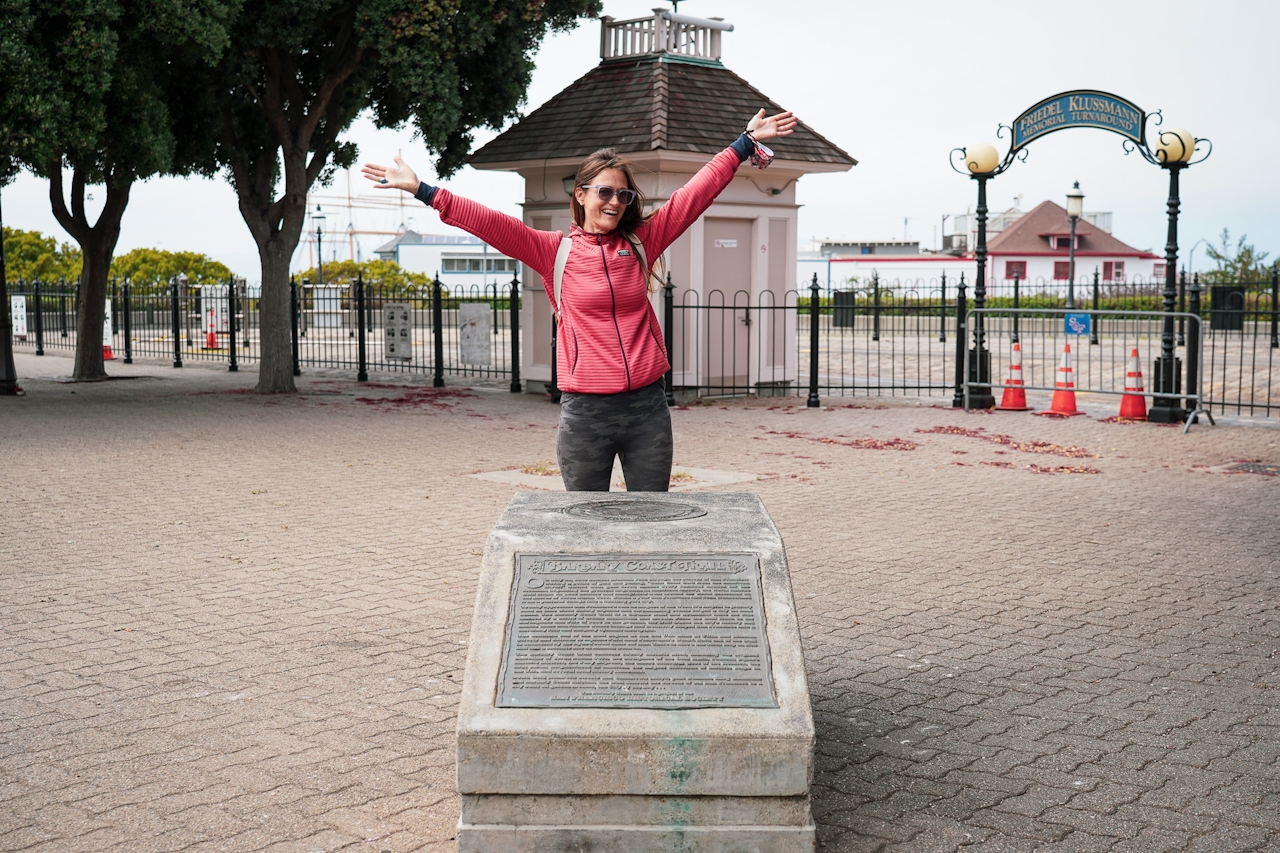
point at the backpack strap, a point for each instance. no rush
(562, 258)
(639, 248)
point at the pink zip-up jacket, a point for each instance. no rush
(609, 339)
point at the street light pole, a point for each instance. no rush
(1075, 207)
(983, 163)
(980, 396)
(1169, 409)
(318, 219)
(1174, 151)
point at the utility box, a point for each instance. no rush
(1226, 312)
(397, 330)
(842, 309)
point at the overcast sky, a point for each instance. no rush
(897, 85)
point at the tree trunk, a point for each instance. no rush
(98, 243)
(275, 373)
(91, 313)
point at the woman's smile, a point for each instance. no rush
(602, 216)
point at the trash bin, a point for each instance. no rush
(1226, 307)
(842, 302)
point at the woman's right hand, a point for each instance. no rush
(397, 177)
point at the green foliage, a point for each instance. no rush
(1241, 263)
(108, 76)
(30, 255)
(23, 110)
(302, 70)
(150, 267)
(388, 276)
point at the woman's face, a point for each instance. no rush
(602, 217)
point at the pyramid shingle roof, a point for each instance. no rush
(645, 104)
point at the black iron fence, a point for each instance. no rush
(879, 338)
(891, 337)
(461, 331)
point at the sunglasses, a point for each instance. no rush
(606, 194)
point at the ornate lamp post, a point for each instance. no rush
(1075, 206)
(1174, 151)
(318, 218)
(982, 163)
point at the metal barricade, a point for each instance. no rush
(1102, 340)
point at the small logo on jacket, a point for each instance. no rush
(624, 253)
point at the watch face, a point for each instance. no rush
(761, 155)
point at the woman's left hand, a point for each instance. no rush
(783, 124)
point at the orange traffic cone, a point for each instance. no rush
(1064, 393)
(1133, 406)
(1015, 396)
(211, 337)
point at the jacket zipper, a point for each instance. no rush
(613, 299)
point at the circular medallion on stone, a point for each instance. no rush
(634, 510)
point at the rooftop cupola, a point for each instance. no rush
(664, 32)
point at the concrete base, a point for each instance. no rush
(631, 839)
(502, 823)
(634, 779)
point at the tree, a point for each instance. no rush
(1243, 263)
(111, 75)
(23, 114)
(302, 70)
(30, 255)
(389, 276)
(147, 266)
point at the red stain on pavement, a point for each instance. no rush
(1071, 452)
(859, 443)
(416, 397)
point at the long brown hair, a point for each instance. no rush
(632, 218)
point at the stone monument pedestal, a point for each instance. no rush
(635, 681)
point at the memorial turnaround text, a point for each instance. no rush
(636, 631)
(1083, 108)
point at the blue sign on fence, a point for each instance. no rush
(1079, 109)
(1078, 324)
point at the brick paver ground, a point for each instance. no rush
(238, 623)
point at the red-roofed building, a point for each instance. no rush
(1037, 248)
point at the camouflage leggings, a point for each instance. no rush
(634, 425)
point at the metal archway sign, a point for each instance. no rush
(1080, 108)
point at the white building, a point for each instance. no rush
(1032, 245)
(461, 262)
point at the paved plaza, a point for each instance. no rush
(232, 622)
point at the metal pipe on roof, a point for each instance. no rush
(709, 23)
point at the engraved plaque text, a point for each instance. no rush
(636, 631)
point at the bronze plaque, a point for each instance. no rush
(636, 631)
